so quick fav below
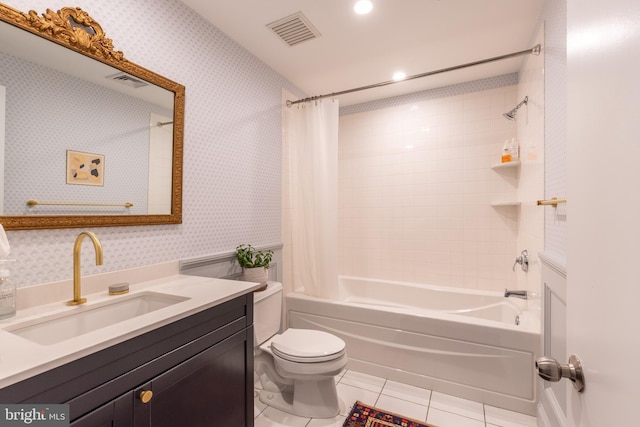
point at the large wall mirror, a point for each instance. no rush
(87, 138)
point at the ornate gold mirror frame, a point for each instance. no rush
(86, 36)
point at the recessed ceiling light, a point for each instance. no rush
(363, 7)
(399, 76)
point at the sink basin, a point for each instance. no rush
(60, 327)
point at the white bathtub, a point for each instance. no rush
(477, 345)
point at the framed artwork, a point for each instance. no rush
(85, 168)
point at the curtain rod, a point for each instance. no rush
(533, 51)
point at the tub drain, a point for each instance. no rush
(517, 320)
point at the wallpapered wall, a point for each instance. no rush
(555, 134)
(232, 156)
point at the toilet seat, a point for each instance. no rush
(307, 346)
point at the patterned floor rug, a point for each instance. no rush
(362, 415)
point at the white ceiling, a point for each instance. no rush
(414, 36)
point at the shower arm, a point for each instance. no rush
(511, 115)
(524, 101)
(533, 51)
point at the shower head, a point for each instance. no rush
(511, 115)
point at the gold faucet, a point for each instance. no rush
(76, 264)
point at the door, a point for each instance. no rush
(603, 234)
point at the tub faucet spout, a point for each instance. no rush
(516, 294)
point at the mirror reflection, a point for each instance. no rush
(82, 138)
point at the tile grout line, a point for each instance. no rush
(484, 414)
(428, 405)
(380, 393)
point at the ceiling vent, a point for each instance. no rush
(128, 80)
(294, 29)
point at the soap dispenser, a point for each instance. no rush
(7, 290)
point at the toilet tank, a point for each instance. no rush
(267, 312)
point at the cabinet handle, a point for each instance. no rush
(145, 396)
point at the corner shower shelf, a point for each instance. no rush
(507, 165)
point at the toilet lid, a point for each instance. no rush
(306, 345)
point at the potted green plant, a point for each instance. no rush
(254, 263)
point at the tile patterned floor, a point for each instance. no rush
(437, 408)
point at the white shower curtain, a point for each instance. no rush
(313, 197)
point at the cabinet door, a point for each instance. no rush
(205, 391)
(117, 413)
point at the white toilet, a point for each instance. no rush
(296, 368)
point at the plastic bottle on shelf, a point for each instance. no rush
(506, 152)
(514, 149)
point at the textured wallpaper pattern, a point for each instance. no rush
(555, 176)
(232, 155)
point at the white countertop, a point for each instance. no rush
(21, 358)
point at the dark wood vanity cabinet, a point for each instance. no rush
(199, 392)
(194, 372)
(118, 412)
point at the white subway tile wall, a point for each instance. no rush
(530, 122)
(416, 187)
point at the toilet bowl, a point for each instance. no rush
(297, 367)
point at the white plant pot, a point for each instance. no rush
(256, 274)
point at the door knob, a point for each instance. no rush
(550, 370)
